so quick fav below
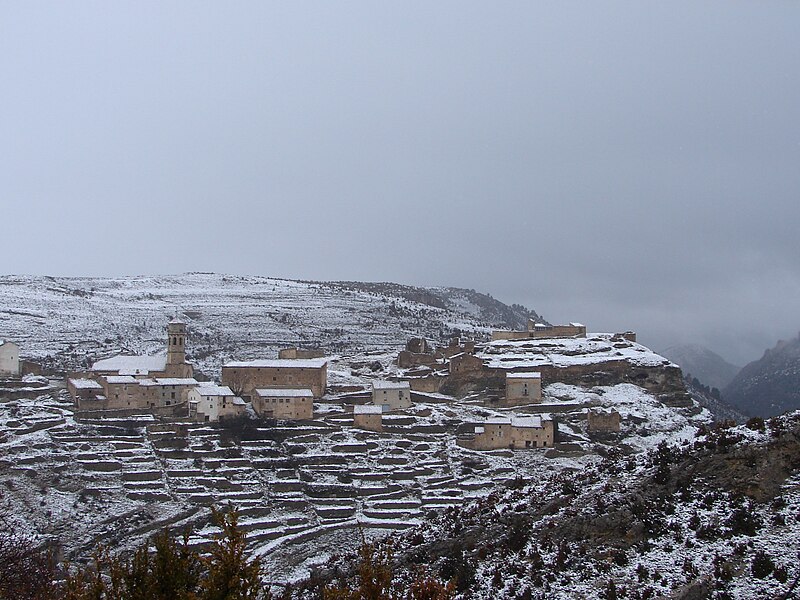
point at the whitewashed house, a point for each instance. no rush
(211, 402)
(9, 359)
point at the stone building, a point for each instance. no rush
(284, 404)
(368, 416)
(464, 363)
(171, 365)
(523, 388)
(513, 433)
(158, 383)
(244, 378)
(86, 393)
(603, 421)
(9, 359)
(210, 402)
(391, 395)
(300, 353)
(541, 330)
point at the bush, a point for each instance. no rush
(762, 565)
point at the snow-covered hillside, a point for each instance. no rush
(75, 320)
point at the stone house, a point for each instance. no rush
(244, 378)
(368, 416)
(513, 433)
(9, 359)
(603, 421)
(523, 388)
(284, 404)
(464, 363)
(88, 394)
(210, 402)
(391, 395)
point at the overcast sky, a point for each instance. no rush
(632, 165)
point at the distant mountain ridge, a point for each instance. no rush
(708, 366)
(771, 385)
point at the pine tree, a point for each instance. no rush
(231, 573)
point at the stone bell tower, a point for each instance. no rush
(176, 350)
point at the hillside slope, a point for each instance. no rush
(712, 519)
(770, 385)
(76, 320)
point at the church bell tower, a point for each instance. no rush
(176, 346)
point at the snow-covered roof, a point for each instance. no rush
(177, 321)
(132, 364)
(533, 421)
(85, 384)
(285, 393)
(238, 401)
(176, 381)
(390, 385)
(367, 409)
(120, 379)
(212, 389)
(577, 324)
(533, 375)
(282, 363)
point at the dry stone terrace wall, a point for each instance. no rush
(118, 480)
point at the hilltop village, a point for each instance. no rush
(507, 373)
(312, 445)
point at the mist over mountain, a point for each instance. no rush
(708, 366)
(771, 385)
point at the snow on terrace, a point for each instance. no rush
(565, 352)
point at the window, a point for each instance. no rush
(172, 395)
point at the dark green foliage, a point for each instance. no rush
(173, 571)
(762, 565)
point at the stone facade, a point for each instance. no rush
(246, 377)
(523, 388)
(603, 421)
(284, 404)
(391, 395)
(540, 330)
(513, 433)
(300, 353)
(367, 416)
(9, 359)
(209, 402)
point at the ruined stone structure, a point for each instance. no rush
(513, 433)
(541, 330)
(391, 395)
(523, 388)
(246, 377)
(368, 416)
(465, 364)
(9, 359)
(285, 404)
(603, 421)
(300, 353)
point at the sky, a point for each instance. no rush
(629, 165)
